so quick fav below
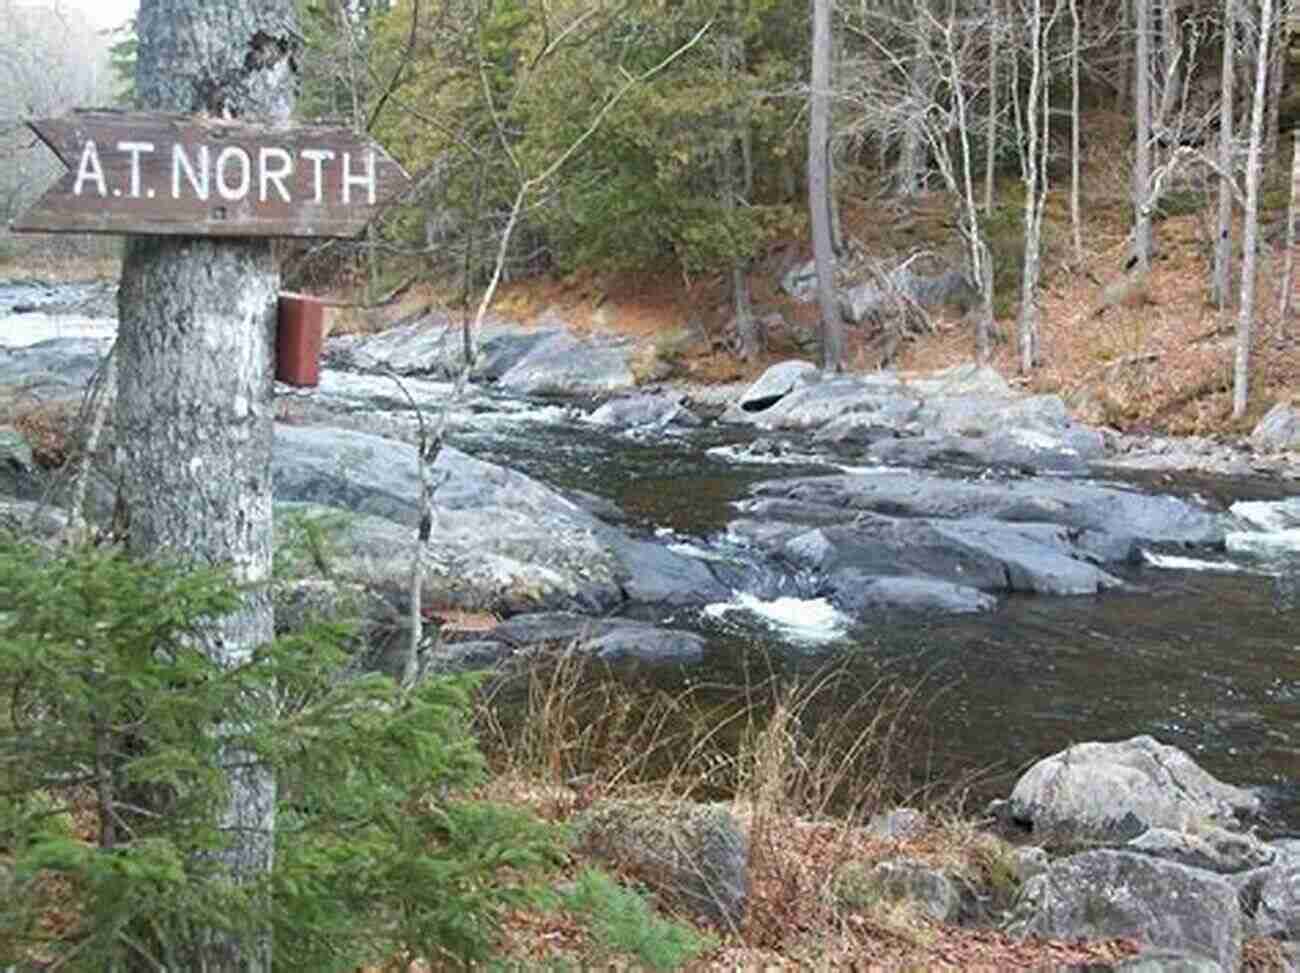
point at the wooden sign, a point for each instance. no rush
(153, 173)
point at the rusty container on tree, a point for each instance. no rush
(298, 340)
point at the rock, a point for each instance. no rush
(959, 380)
(1028, 861)
(777, 382)
(450, 658)
(642, 411)
(863, 595)
(1115, 791)
(563, 365)
(54, 370)
(650, 574)
(1168, 961)
(1279, 429)
(1017, 449)
(1108, 894)
(609, 639)
(1214, 849)
(800, 281)
(902, 880)
(31, 518)
(695, 855)
(19, 476)
(812, 405)
(898, 824)
(1278, 911)
(1080, 507)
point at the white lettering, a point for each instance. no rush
(90, 169)
(277, 175)
(135, 149)
(245, 164)
(367, 180)
(198, 180)
(319, 157)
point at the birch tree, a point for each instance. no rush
(819, 203)
(1223, 227)
(1250, 225)
(1288, 271)
(1076, 218)
(1037, 116)
(1142, 114)
(194, 410)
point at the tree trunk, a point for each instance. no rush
(1035, 178)
(819, 205)
(1142, 163)
(737, 180)
(195, 359)
(1126, 75)
(1276, 82)
(1288, 272)
(911, 157)
(1076, 218)
(1223, 228)
(991, 135)
(1250, 228)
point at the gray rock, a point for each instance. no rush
(776, 383)
(1214, 849)
(610, 639)
(695, 855)
(1279, 429)
(984, 414)
(563, 365)
(1168, 961)
(1077, 506)
(642, 411)
(1278, 911)
(899, 823)
(862, 595)
(811, 406)
(1020, 450)
(1115, 791)
(19, 475)
(52, 370)
(903, 880)
(1108, 894)
(650, 574)
(449, 658)
(1028, 861)
(800, 281)
(970, 379)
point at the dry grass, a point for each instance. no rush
(50, 430)
(562, 736)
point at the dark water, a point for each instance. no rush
(1206, 661)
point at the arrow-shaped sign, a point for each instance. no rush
(152, 173)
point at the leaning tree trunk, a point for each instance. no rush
(1250, 225)
(1288, 268)
(195, 359)
(819, 204)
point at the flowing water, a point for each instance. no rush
(1204, 654)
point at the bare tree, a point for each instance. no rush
(819, 203)
(1288, 271)
(991, 123)
(1037, 115)
(1223, 227)
(1076, 219)
(1250, 228)
(1142, 110)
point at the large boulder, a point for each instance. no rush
(1107, 894)
(1277, 913)
(653, 412)
(1208, 847)
(1116, 791)
(811, 405)
(777, 382)
(694, 855)
(563, 365)
(54, 370)
(1279, 429)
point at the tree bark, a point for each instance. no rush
(1076, 218)
(819, 204)
(1142, 163)
(1288, 272)
(1035, 179)
(194, 407)
(991, 134)
(1223, 228)
(1250, 227)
